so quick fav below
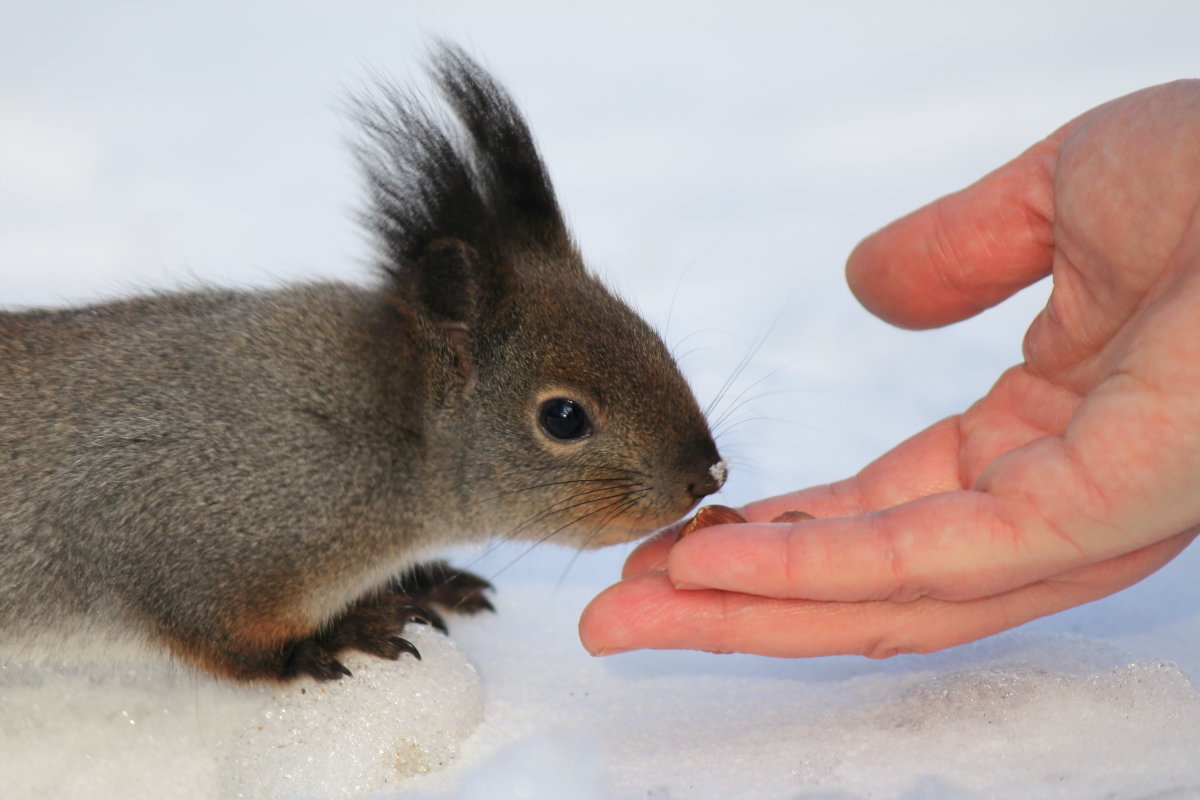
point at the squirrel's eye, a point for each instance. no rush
(564, 419)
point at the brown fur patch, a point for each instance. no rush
(253, 648)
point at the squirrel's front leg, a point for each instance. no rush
(374, 624)
(271, 644)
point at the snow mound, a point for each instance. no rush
(152, 730)
(1028, 730)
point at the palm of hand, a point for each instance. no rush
(1071, 479)
(1094, 441)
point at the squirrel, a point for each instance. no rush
(256, 480)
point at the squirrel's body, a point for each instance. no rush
(96, 456)
(241, 475)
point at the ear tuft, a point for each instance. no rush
(476, 178)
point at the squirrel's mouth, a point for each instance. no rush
(627, 516)
(621, 530)
(611, 535)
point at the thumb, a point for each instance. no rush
(964, 252)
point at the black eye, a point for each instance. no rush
(564, 419)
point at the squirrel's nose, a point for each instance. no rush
(711, 482)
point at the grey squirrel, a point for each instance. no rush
(256, 480)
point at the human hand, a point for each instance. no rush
(1075, 476)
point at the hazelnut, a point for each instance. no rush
(724, 515)
(711, 515)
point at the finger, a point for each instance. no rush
(950, 454)
(650, 555)
(1055, 503)
(952, 545)
(920, 465)
(655, 615)
(923, 464)
(648, 612)
(964, 252)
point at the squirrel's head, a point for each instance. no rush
(574, 414)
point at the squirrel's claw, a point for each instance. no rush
(438, 583)
(478, 603)
(425, 616)
(313, 659)
(405, 646)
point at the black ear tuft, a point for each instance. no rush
(477, 179)
(507, 159)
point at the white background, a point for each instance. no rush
(717, 163)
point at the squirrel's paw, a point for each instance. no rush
(436, 583)
(372, 626)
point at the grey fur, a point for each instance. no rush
(225, 472)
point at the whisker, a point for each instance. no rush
(740, 399)
(546, 537)
(700, 331)
(675, 298)
(594, 471)
(547, 485)
(617, 510)
(735, 424)
(755, 347)
(733, 376)
(505, 538)
(551, 510)
(628, 502)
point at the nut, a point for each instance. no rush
(724, 515)
(711, 515)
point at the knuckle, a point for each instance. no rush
(892, 547)
(883, 647)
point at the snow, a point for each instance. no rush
(144, 728)
(717, 165)
(1027, 714)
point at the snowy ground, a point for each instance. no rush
(717, 166)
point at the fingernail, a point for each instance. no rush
(660, 571)
(609, 651)
(688, 587)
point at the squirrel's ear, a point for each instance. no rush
(447, 281)
(448, 278)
